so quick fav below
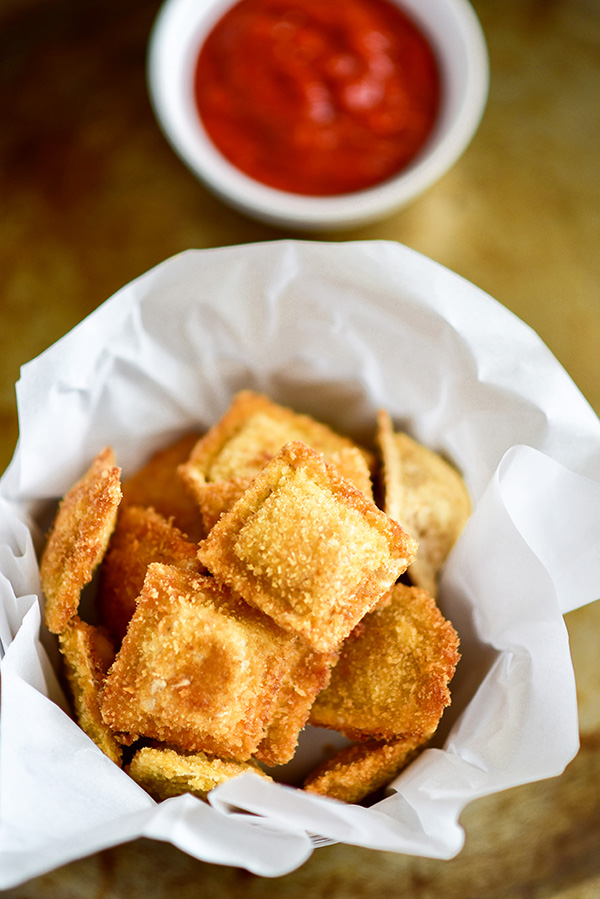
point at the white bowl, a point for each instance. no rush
(456, 36)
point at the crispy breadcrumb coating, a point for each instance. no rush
(426, 495)
(300, 617)
(141, 536)
(360, 769)
(157, 485)
(308, 548)
(165, 772)
(87, 654)
(198, 668)
(393, 674)
(309, 672)
(226, 460)
(78, 539)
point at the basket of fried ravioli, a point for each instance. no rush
(265, 575)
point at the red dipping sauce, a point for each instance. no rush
(317, 97)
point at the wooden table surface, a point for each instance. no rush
(91, 196)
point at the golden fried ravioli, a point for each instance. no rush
(252, 584)
(197, 668)
(426, 495)
(306, 547)
(87, 654)
(141, 536)
(362, 768)
(157, 485)
(352, 464)
(393, 674)
(308, 673)
(78, 539)
(165, 772)
(225, 461)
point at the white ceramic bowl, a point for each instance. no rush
(456, 36)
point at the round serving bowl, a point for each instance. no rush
(450, 26)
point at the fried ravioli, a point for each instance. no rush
(393, 674)
(252, 583)
(141, 536)
(197, 668)
(226, 460)
(307, 548)
(87, 654)
(157, 485)
(426, 495)
(309, 672)
(78, 539)
(352, 465)
(164, 772)
(360, 769)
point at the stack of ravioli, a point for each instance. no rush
(263, 576)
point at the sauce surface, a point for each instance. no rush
(317, 97)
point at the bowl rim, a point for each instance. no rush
(175, 38)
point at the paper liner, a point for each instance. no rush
(336, 330)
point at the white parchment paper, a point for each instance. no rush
(336, 330)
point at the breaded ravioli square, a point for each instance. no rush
(308, 674)
(362, 768)
(426, 495)
(307, 547)
(393, 673)
(225, 461)
(141, 537)
(87, 654)
(157, 485)
(165, 772)
(78, 539)
(197, 668)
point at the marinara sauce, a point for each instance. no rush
(317, 97)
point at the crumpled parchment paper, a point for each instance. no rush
(337, 330)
